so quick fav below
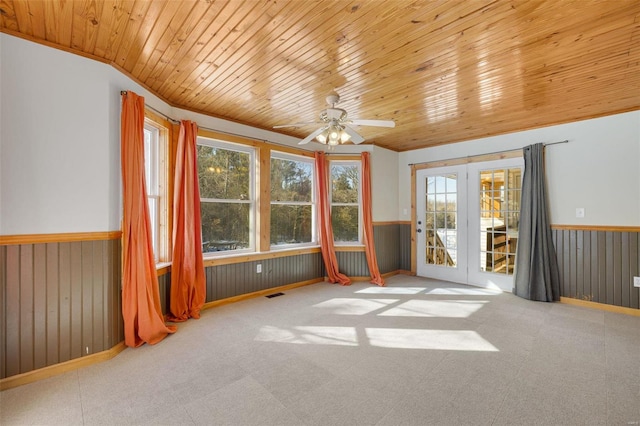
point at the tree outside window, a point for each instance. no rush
(227, 201)
(345, 201)
(292, 220)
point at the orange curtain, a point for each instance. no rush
(143, 321)
(188, 282)
(369, 246)
(324, 220)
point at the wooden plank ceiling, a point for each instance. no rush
(445, 71)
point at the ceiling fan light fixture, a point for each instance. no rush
(344, 136)
(334, 135)
(336, 129)
(322, 137)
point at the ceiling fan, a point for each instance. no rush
(336, 127)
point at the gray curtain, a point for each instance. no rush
(536, 274)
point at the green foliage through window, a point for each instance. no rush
(345, 205)
(226, 197)
(291, 201)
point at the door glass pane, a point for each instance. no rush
(499, 219)
(440, 221)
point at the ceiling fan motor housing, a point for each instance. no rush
(331, 114)
(336, 129)
(332, 98)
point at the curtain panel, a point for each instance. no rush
(536, 275)
(143, 320)
(367, 221)
(325, 230)
(188, 281)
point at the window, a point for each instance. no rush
(441, 213)
(155, 141)
(499, 218)
(227, 195)
(292, 210)
(345, 201)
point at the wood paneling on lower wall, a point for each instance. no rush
(387, 241)
(393, 251)
(405, 246)
(599, 266)
(353, 263)
(224, 281)
(164, 288)
(61, 301)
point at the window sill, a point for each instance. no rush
(350, 247)
(163, 268)
(231, 258)
(250, 257)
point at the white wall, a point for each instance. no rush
(384, 181)
(1, 133)
(56, 142)
(60, 165)
(60, 140)
(599, 169)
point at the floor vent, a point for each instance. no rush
(274, 295)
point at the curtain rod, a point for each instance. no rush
(486, 153)
(174, 121)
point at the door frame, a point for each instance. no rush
(476, 276)
(458, 273)
(414, 168)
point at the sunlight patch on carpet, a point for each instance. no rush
(465, 291)
(392, 290)
(340, 336)
(436, 308)
(353, 306)
(446, 340)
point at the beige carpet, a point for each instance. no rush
(417, 352)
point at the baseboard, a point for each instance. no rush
(254, 294)
(601, 306)
(367, 278)
(63, 367)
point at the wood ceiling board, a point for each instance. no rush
(240, 48)
(445, 71)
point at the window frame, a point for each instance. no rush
(314, 237)
(358, 164)
(253, 191)
(157, 186)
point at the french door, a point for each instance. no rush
(441, 223)
(467, 222)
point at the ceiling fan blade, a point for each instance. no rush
(311, 136)
(356, 138)
(376, 123)
(280, 126)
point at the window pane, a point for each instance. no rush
(344, 220)
(147, 160)
(431, 203)
(225, 226)
(344, 183)
(223, 174)
(290, 224)
(291, 180)
(153, 216)
(500, 203)
(440, 226)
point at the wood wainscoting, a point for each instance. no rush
(63, 292)
(597, 263)
(62, 299)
